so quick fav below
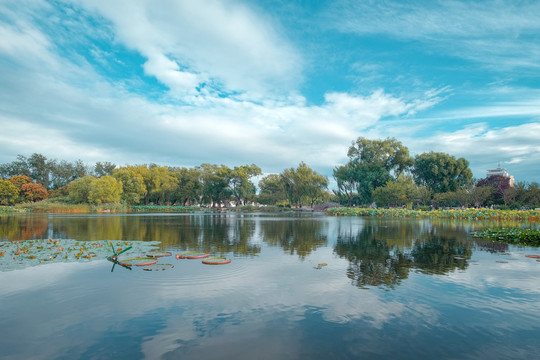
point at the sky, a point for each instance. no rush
(271, 83)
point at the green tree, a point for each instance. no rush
(104, 168)
(8, 193)
(17, 167)
(479, 195)
(189, 186)
(389, 153)
(79, 189)
(105, 189)
(372, 163)
(144, 172)
(315, 188)
(40, 168)
(272, 190)
(241, 187)
(302, 184)
(460, 197)
(347, 182)
(499, 185)
(532, 195)
(133, 188)
(441, 172)
(63, 172)
(370, 177)
(215, 183)
(162, 184)
(396, 193)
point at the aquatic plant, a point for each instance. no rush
(27, 253)
(530, 237)
(465, 214)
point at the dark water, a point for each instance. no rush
(391, 289)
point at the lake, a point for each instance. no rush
(299, 286)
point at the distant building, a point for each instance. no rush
(503, 173)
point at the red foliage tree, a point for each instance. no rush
(34, 192)
(499, 184)
(20, 180)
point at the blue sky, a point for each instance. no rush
(273, 83)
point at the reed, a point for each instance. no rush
(47, 206)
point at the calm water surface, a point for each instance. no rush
(392, 289)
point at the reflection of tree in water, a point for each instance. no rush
(371, 260)
(23, 227)
(222, 234)
(439, 254)
(380, 255)
(491, 246)
(294, 236)
(214, 234)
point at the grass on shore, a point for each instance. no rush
(48, 206)
(464, 214)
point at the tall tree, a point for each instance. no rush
(162, 184)
(63, 172)
(133, 188)
(302, 184)
(272, 190)
(104, 168)
(347, 182)
(189, 186)
(441, 172)
(389, 153)
(372, 163)
(370, 176)
(79, 189)
(17, 167)
(41, 169)
(105, 189)
(241, 187)
(499, 185)
(215, 183)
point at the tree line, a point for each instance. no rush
(378, 171)
(383, 172)
(207, 184)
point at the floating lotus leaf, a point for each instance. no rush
(26, 253)
(218, 260)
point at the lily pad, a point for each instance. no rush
(22, 254)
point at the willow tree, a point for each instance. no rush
(242, 188)
(347, 182)
(272, 190)
(302, 184)
(133, 188)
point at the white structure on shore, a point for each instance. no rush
(501, 172)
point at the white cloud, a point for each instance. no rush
(226, 41)
(498, 34)
(61, 104)
(76, 108)
(484, 147)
